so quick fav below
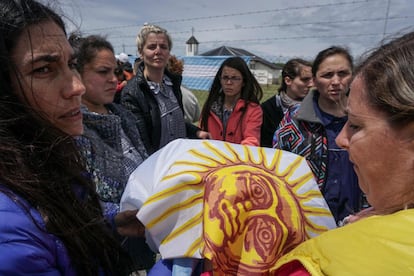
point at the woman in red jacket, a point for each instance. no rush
(232, 111)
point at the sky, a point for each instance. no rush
(276, 30)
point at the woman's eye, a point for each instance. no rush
(343, 74)
(353, 127)
(73, 65)
(42, 70)
(103, 71)
(327, 76)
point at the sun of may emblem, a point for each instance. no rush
(254, 204)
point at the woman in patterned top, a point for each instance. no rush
(310, 129)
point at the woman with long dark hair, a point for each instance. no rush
(232, 111)
(51, 220)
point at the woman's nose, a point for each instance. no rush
(75, 86)
(113, 78)
(336, 79)
(342, 139)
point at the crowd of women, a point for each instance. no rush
(67, 150)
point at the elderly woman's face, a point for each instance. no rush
(383, 155)
(49, 80)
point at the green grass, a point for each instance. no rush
(268, 91)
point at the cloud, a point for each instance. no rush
(273, 29)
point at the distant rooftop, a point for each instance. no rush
(230, 51)
(192, 40)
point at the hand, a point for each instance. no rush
(127, 224)
(203, 134)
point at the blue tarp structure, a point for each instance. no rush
(199, 71)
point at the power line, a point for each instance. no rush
(282, 38)
(292, 37)
(325, 28)
(234, 14)
(301, 24)
(262, 11)
(283, 25)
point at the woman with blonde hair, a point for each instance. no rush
(154, 94)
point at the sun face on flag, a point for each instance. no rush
(242, 207)
(258, 208)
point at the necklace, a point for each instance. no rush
(229, 107)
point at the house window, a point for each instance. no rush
(253, 64)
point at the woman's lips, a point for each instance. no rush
(74, 114)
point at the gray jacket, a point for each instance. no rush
(101, 146)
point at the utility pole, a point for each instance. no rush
(386, 20)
